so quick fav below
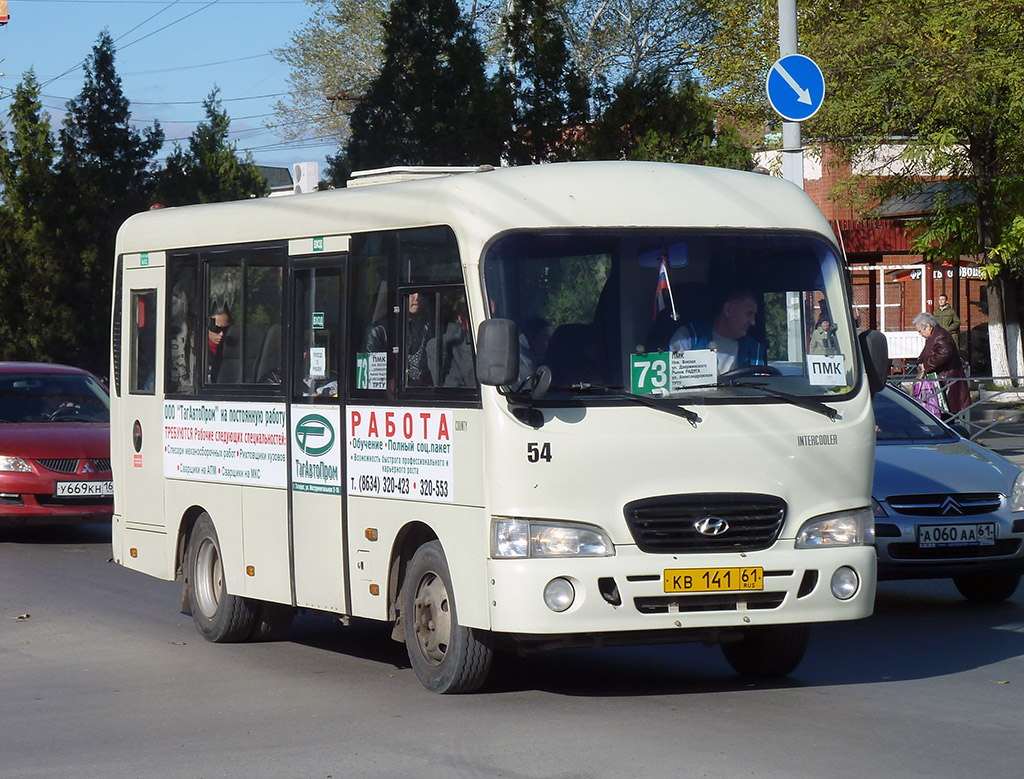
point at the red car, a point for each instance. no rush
(54, 445)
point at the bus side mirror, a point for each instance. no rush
(876, 358)
(497, 354)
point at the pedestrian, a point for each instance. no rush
(941, 358)
(948, 319)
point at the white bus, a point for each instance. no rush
(522, 408)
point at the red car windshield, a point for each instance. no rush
(52, 397)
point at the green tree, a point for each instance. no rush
(549, 97)
(650, 119)
(210, 171)
(432, 103)
(28, 213)
(332, 61)
(334, 57)
(946, 80)
(615, 41)
(105, 173)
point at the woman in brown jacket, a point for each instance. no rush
(941, 357)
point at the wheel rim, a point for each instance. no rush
(432, 618)
(209, 578)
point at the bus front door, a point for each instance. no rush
(317, 438)
(138, 454)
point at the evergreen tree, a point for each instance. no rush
(210, 170)
(432, 103)
(104, 176)
(549, 96)
(650, 119)
(27, 216)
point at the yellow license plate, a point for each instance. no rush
(713, 579)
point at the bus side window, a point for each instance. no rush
(180, 353)
(243, 316)
(142, 367)
(450, 356)
(371, 315)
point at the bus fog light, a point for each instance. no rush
(845, 583)
(559, 594)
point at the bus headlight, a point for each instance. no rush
(518, 537)
(843, 528)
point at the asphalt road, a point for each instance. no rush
(101, 676)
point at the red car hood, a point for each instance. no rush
(55, 439)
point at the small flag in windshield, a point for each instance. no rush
(663, 287)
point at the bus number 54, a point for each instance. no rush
(536, 452)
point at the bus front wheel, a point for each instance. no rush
(219, 616)
(445, 656)
(769, 651)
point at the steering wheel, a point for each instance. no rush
(751, 370)
(65, 411)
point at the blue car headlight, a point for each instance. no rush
(1017, 493)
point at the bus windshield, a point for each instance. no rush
(674, 313)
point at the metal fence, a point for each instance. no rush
(992, 412)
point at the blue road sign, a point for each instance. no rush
(795, 87)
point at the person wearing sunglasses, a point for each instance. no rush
(218, 325)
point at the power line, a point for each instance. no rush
(180, 102)
(192, 67)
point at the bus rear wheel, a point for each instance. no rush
(769, 651)
(445, 656)
(218, 616)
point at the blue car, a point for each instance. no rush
(945, 507)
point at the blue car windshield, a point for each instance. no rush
(672, 313)
(900, 418)
(52, 397)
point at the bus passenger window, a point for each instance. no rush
(142, 369)
(244, 311)
(181, 332)
(372, 317)
(450, 353)
(419, 329)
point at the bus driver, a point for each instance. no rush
(726, 333)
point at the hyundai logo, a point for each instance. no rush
(950, 506)
(711, 526)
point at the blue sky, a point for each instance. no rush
(167, 66)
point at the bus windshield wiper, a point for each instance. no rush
(796, 400)
(643, 400)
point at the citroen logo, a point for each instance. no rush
(950, 506)
(711, 526)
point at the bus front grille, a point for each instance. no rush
(705, 522)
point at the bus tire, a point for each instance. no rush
(989, 588)
(218, 616)
(272, 621)
(769, 651)
(445, 656)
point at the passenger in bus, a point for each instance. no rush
(456, 368)
(419, 328)
(219, 323)
(727, 333)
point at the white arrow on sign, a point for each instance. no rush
(803, 95)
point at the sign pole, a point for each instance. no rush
(792, 152)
